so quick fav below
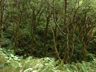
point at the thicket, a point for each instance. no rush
(63, 29)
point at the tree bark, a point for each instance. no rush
(17, 29)
(66, 57)
(46, 30)
(2, 18)
(33, 30)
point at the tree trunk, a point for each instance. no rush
(2, 18)
(33, 31)
(66, 57)
(46, 30)
(17, 29)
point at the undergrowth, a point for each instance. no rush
(11, 63)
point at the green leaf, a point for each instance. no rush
(1, 65)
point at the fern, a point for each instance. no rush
(30, 64)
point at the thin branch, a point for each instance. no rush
(54, 42)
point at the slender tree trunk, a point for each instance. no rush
(33, 31)
(73, 40)
(66, 57)
(2, 18)
(56, 32)
(54, 41)
(17, 29)
(87, 38)
(34, 22)
(46, 30)
(84, 52)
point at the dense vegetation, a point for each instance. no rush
(47, 35)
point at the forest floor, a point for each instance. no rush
(11, 63)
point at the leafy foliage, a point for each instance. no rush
(17, 64)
